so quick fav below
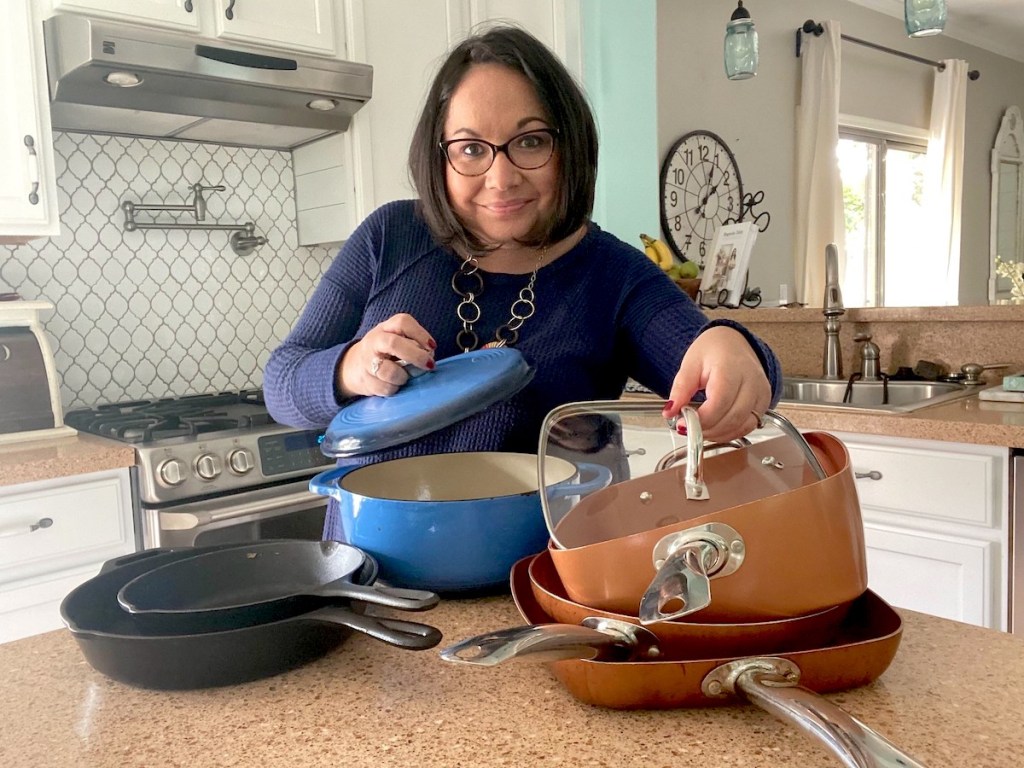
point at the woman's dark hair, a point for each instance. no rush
(565, 106)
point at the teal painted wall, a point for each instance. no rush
(619, 75)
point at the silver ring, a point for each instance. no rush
(375, 366)
(759, 417)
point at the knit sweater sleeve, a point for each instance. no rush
(299, 380)
(662, 322)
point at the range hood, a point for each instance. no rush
(107, 77)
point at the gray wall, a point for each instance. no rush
(757, 117)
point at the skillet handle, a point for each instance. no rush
(853, 743)
(409, 635)
(389, 597)
(542, 642)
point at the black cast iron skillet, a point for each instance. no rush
(256, 583)
(114, 643)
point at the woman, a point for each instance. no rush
(500, 249)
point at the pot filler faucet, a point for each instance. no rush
(832, 362)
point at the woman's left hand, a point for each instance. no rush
(722, 363)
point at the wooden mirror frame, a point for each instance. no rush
(1007, 149)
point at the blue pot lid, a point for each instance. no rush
(457, 388)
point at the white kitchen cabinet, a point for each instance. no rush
(302, 26)
(298, 25)
(28, 186)
(55, 534)
(936, 519)
(170, 14)
(405, 56)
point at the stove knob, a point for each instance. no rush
(171, 472)
(241, 461)
(208, 466)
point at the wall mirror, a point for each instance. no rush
(1007, 232)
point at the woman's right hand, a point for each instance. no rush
(373, 365)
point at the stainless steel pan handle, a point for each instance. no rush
(784, 424)
(771, 684)
(597, 639)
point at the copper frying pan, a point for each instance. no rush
(691, 639)
(815, 529)
(786, 685)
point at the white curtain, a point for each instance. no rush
(944, 170)
(819, 190)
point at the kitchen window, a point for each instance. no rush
(883, 174)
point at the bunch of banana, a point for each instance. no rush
(657, 252)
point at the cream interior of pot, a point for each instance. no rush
(455, 476)
(648, 461)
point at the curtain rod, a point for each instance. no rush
(812, 27)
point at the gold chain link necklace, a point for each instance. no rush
(468, 284)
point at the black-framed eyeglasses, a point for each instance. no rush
(528, 151)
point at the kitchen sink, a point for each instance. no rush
(892, 396)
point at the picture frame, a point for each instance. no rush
(725, 272)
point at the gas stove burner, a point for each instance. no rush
(189, 416)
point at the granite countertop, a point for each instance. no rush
(951, 697)
(29, 461)
(968, 420)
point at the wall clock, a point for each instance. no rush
(700, 190)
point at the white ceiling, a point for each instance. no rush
(995, 25)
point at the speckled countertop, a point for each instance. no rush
(952, 697)
(26, 462)
(968, 420)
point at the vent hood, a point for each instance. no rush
(107, 77)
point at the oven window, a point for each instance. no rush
(302, 524)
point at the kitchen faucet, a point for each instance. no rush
(832, 362)
(869, 354)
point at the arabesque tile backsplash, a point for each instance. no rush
(156, 313)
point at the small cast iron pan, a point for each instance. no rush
(257, 583)
(114, 643)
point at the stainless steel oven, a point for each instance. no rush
(214, 469)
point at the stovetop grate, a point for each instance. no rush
(148, 421)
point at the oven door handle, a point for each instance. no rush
(181, 519)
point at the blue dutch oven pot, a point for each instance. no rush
(444, 522)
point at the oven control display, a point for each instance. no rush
(292, 452)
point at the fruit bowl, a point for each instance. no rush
(689, 285)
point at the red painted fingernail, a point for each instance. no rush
(432, 344)
(669, 404)
(681, 429)
(430, 365)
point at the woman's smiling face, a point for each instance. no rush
(506, 204)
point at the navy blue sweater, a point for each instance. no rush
(605, 313)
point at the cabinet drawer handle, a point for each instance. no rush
(33, 170)
(874, 474)
(21, 530)
(188, 6)
(229, 12)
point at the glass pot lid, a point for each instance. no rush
(636, 473)
(457, 388)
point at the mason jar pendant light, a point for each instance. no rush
(924, 17)
(741, 45)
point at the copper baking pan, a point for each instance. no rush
(786, 685)
(718, 557)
